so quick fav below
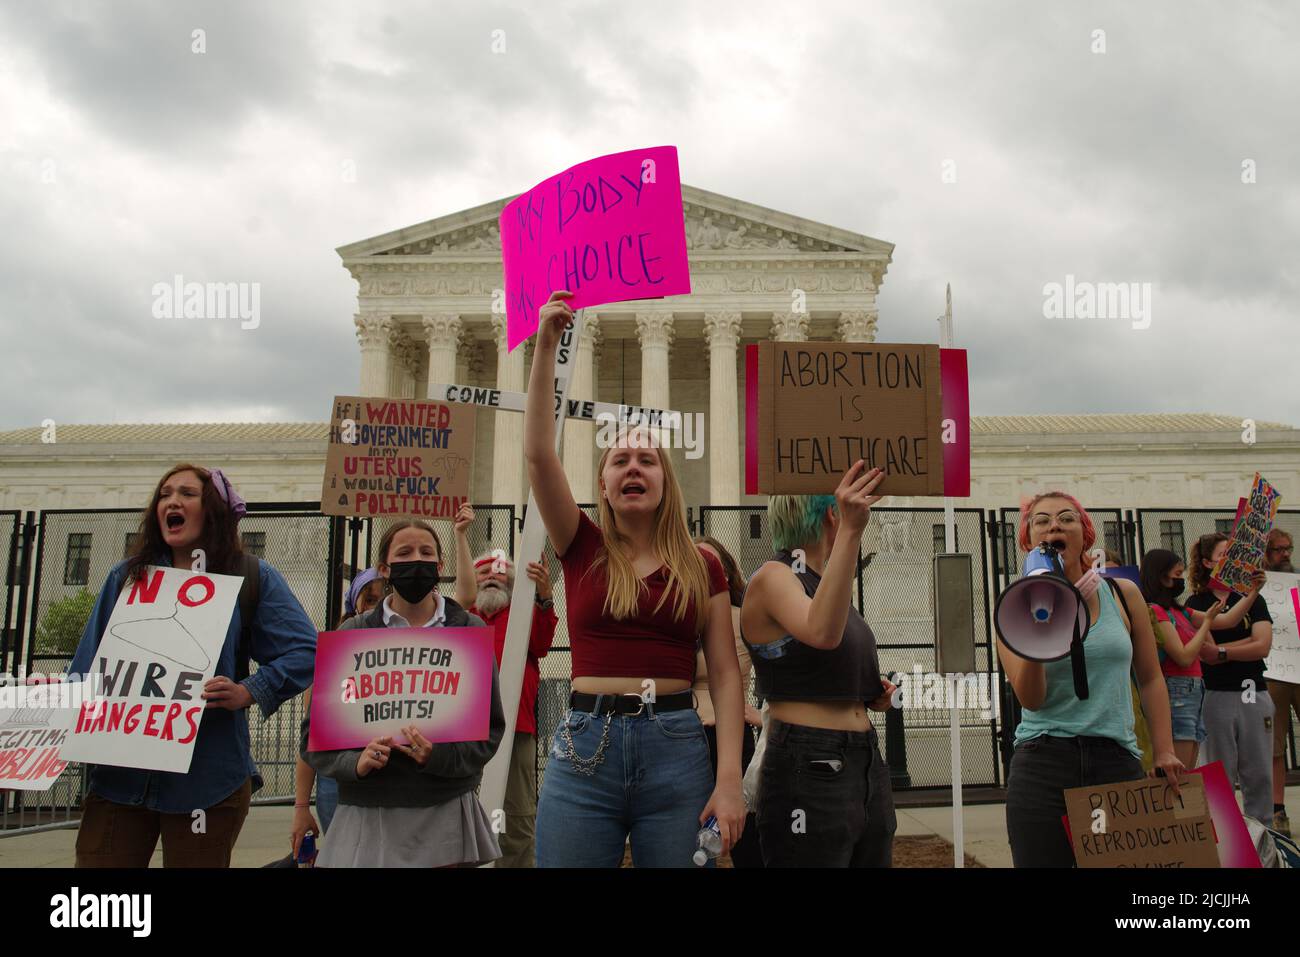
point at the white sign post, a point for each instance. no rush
(954, 716)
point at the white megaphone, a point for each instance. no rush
(1043, 617)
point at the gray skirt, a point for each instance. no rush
(456, 832)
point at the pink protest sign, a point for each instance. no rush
(607, 230)
(1236, 849)
(956, 422)
(372, 682)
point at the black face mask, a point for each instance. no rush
(413, 580)
(1177, 587)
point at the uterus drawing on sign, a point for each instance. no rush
(165, 637)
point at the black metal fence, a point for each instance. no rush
(56, 561)
(53, 560)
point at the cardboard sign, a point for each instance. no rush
(1141, 824)
(372, 682)
(1281, 593)
(1245, 553)
(818, 407)
(161, 644)
(607, 230)
(400, 457)
(35, 721)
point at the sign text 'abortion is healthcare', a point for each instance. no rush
(607, 230)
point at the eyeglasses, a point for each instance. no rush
(1284, 549)
(1065, 519)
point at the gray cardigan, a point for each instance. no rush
(452, 768)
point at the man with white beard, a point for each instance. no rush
(484, 586)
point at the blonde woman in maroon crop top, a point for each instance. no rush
(630, 759)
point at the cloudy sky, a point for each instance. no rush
(127, 158)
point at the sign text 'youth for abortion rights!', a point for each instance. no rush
(1245, 554)
(372, 682)
(399, 457)
(607, 230)
(815, 408)
(161, 644)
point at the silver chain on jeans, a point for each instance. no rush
(586, 766)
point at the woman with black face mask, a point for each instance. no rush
(1180, 635)
(391, 793)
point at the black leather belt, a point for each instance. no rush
(629, 703)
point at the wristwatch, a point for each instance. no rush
(1223, 654)
(545, 604)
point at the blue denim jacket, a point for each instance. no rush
(283, 645)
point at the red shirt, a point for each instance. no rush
(539, 643)
(1186, 632)
(648, 644)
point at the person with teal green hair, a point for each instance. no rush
(816, 666)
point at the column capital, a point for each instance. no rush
(790, 326)
(655, 329)
(373, 329)
(591, 332)
(498, 321)
(442, 329)
(722, 329)
(858, 325)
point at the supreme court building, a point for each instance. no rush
(430, 309)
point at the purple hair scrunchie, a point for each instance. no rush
(228, 494)
(357, 587)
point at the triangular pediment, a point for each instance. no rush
(716, 225)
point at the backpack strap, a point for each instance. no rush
(249, 594)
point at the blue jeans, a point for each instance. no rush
(651, 784)
(1186, 708)
(327, 800)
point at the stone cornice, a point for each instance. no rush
(696, 203)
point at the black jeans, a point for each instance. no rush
(1042, 769)
(824, 799)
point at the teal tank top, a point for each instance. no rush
(1108, 711)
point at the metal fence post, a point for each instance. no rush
(26, 593)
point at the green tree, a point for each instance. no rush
(60, 630)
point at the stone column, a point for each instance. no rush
(580, 437)
(372, 333)
(508, 427)
(655, 331)
(722, 430)
(858, 325)
(442, 332)
(790, 326)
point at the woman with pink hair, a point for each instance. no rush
(1063, 741)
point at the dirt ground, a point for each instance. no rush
(931, 851)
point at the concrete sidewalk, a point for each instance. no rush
(265, 835)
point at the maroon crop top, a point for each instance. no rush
(649, 644)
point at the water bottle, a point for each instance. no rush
(307, 851)
(710, 842)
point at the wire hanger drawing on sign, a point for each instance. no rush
(161, 637)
